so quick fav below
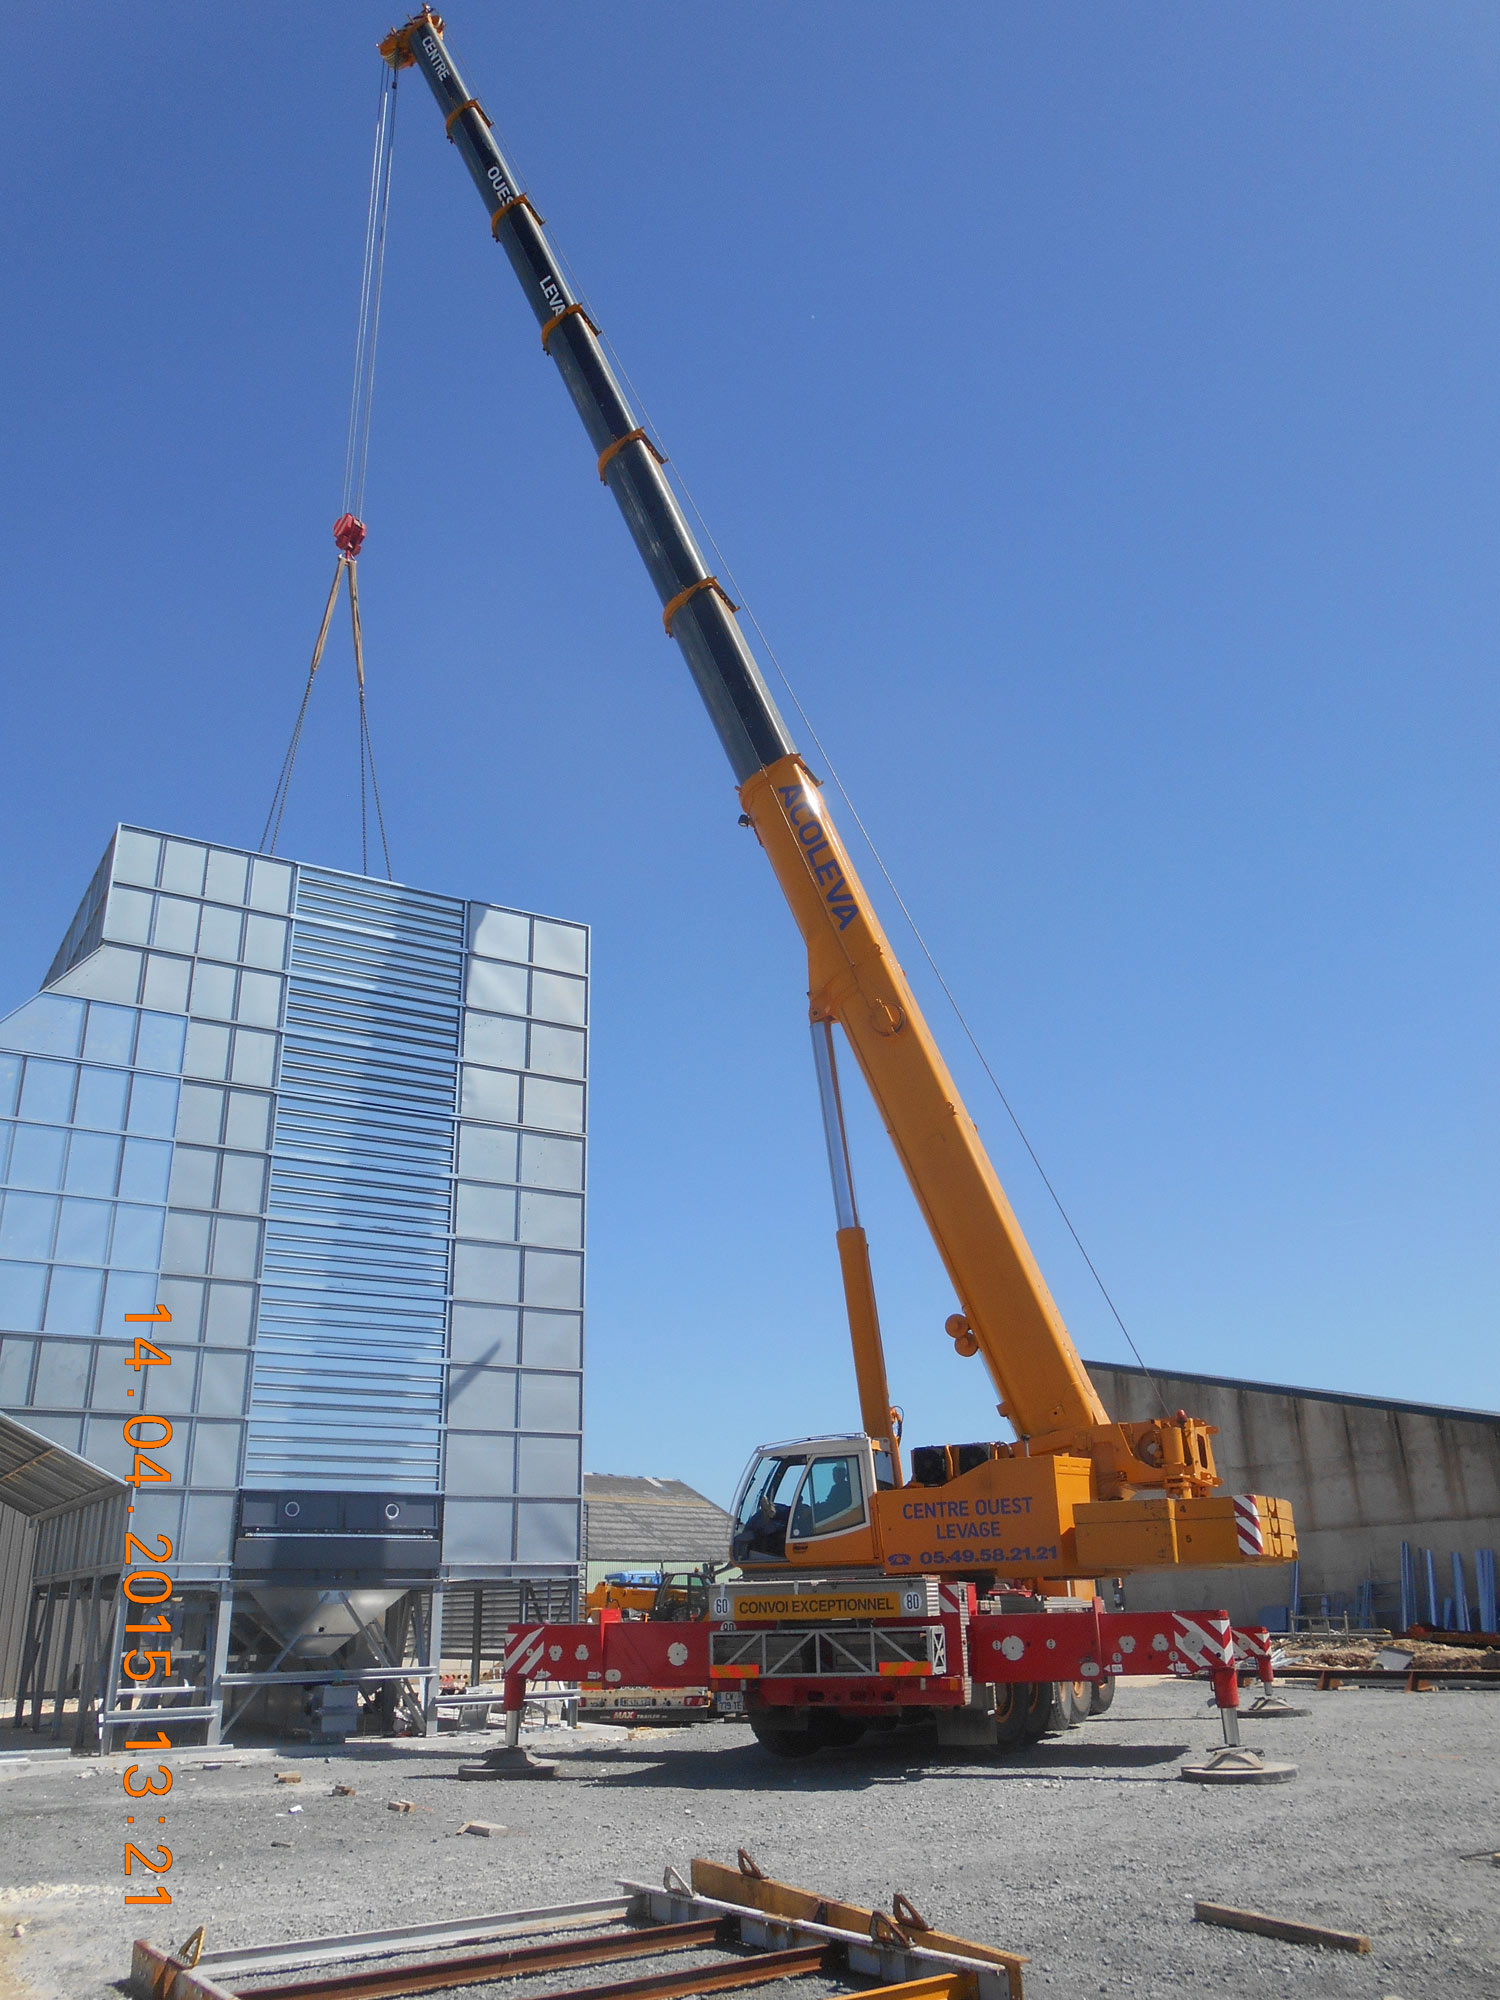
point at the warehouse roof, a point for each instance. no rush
(643, 1520)
(37, 1476)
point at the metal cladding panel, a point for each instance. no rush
(348, 1383)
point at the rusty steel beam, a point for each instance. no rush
(477, 1968)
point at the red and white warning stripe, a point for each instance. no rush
(1247, 1529)
(954, 1598)
(1252, 1649)
(524, 1647)
(1203, 1640)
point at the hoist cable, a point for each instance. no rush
(371, 284)
(724, 569)
(272, 827)
(366, 744)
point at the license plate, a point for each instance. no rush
(730, 1704)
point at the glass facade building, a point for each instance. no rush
(337, 1127)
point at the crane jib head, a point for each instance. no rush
(828, 872)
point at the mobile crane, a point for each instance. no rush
(855, 1569)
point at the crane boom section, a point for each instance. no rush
(854, 974)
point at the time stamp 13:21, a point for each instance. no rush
(148, 1598)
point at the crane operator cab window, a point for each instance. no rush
(766, 1508)
(831, 1499)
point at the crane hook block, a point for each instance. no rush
(348, 536)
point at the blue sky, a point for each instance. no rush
(1098, 407)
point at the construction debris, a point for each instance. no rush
(343, 1791)
(1288, 1929)
(485, 1828)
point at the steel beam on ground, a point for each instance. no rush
(520, 1962)
(415, 1937)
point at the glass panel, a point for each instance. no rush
(265, 942)
(208, 1530)
(488, 1212)
(219, 936)
(559, 1050)
(159, 1045)
(183, 1299)
(500, 988)
(549, 1162)
(166, 983)
(832, 1499)
(153, 1105)
(242, 1183)
(137, 857)
(489, 1094)
(127, 916)
(176, 926)
(185, 1244)
(485, 1153)
(500, 933)
(477, 1531)
(221, 1385)
(481, 1399)
(225, 880)
(490, 1275)
(485, 1335)
(488, 1038)
(200, 1113)
(551, 1402)
(260, 999)
(73, 1299)
(47, 1091)
(110, 1035)
(213, 991)
(547, 1465)
(193, 1174)
(93, 1163)
(229, 1313)
(21, 1288)
(182, 867)
(546, 1102)
(126, 1292)
(555, 998)
(553, 1219)
(66, 1431)
(236, 1248)
(83, 1233)
(553, 1280)
(248, 1121)
(26, 1225)
(46, 1026)
(15, 1371)
(207, 1050)
(552, 1340)
(563, 947)
(254, 1057)
(62, 1374)
(136, 1245)
(10, 1083)
(481, 1465)
(110, 973)
(101, 1098)
(36, 1159)
(270, 885)
(143, 1174)
(216, 1454)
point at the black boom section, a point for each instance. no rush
(703, 624)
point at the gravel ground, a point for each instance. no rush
(1085, 1851)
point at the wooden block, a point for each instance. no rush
(485, 1828)
(1286, 1928)
(399, 1805)
(289, 1777)
(343, 1791)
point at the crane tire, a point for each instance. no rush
(785, 1742)
(1101, 1694)
(1038, 1706)
(1011, 1703)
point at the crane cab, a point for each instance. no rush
(810, 1504)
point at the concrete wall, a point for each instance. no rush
(1363, 1476)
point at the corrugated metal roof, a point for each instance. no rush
(1309, 1395)
(38, 1476)
(647, 1521)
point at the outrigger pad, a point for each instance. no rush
(508, 1762)
(1271, 1705)
(1233, 1764)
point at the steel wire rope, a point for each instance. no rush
(673, 473)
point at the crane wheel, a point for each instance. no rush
(785, 1742)
(1011, 1703)
(1039, 1701)
(1101, 1695)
